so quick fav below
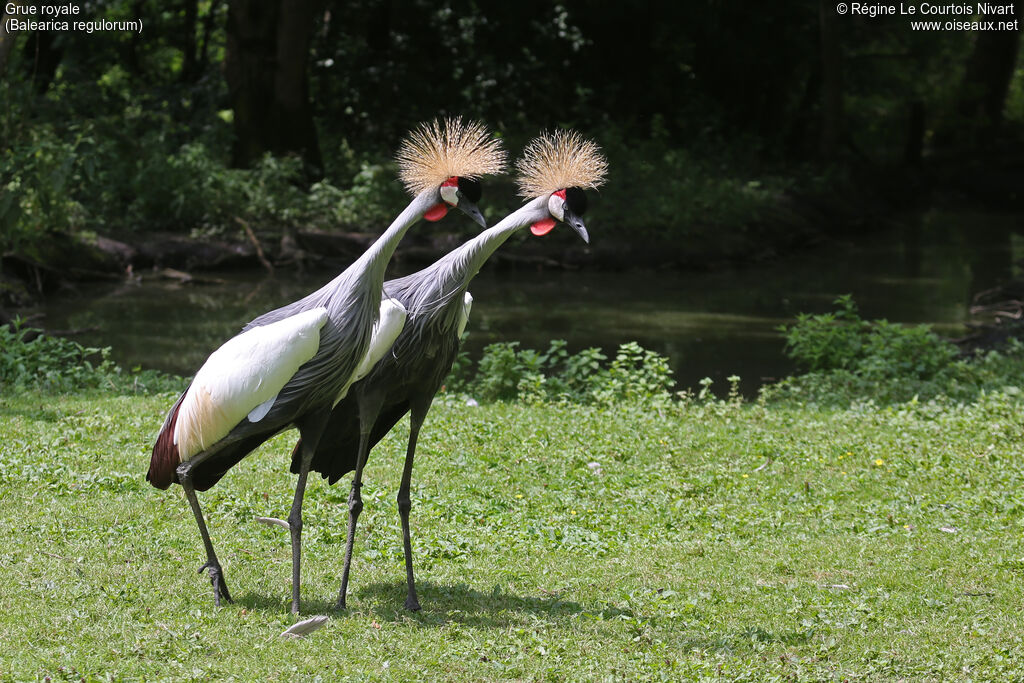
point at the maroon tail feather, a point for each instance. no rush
(163, 465)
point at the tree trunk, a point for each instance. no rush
(914, 147)
(987, 78)
(204, 44)
(189, 44)
(266, 70)
(133, 62)
(6, 42)
(831, 82)
(42, 55)
(800, 140)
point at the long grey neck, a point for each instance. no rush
(361, 283)
(432, 296)
(474, 254)
(370, 267)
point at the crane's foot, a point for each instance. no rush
(340, 604)
(412, 604)
(220, 588)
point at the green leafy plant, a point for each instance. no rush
(499, 372)
(29, 358)
(847, 359)
(37, 183)
(827, 341)
(842, 340)
(506, 373)
(32, 359)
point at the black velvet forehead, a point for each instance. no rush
(471, 189)
(576, 200)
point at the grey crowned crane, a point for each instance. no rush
(291, 366)
(554, 170)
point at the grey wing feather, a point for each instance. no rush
(305, 627)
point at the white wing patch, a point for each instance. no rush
(389, 325)
(260, 411)
(467, 306)
(243, 377)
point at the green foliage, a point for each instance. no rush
(1015, 97)
(500, 371)
(122, 167)
(373, 199)
(128, 134)
(849, 359)
(829, 340)
(53, 185)
(916, 352)
(877, 349)
(637, 374)
(507, 373)
(38, 179)
(667, 192)
(201, 192)
(30, 359)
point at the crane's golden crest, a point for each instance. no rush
(557, 161)
(442, 149)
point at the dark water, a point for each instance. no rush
(710, 324)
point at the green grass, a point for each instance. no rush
(709, 541)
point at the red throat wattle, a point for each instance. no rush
(440, 210)
(436, 212)
(543, 226)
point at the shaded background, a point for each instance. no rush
(738, 134)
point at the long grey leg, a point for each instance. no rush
(220, 588)
(405, 505)
(369, 407)
(310, 431)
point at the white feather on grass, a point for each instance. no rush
(274, 521)
(305, 627)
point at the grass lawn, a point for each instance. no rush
(551, 542)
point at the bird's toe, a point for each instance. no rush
(220, 586)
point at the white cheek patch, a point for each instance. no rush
(450, 193)
(556, 207)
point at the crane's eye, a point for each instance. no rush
(470, 189)
(576, 200)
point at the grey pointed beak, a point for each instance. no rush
(576, 223)
(471, 210)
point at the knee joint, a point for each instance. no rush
(404, 504)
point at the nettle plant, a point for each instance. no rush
(848, 359)
(842, 340)
(31, 359)
(507, 372)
